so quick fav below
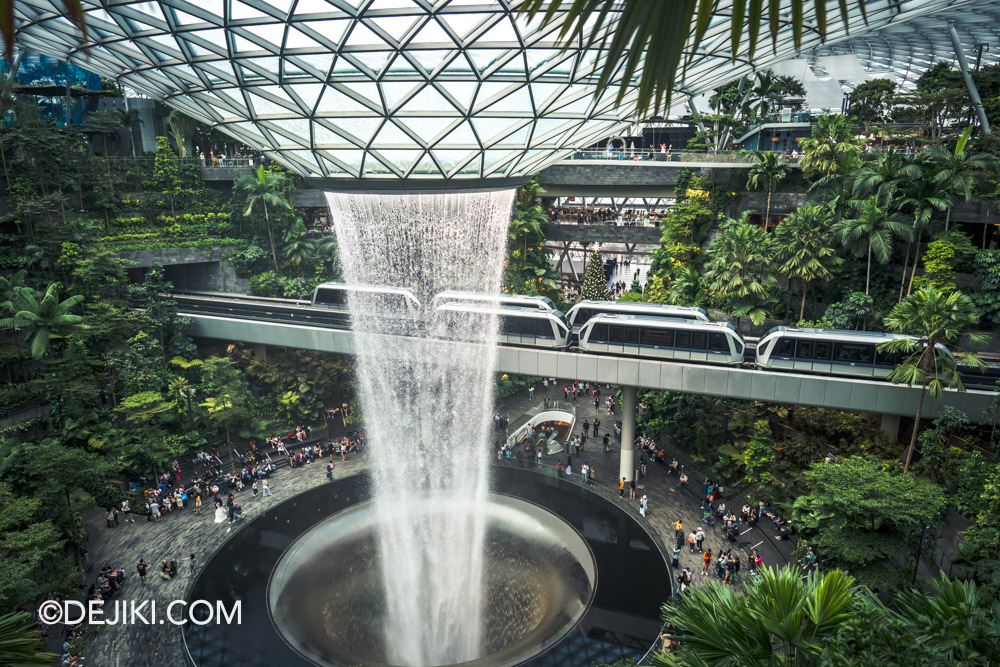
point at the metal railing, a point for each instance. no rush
(648, 155)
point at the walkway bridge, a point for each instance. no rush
(296, 324)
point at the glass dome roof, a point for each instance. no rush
(388, 89)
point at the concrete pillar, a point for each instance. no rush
(626, 467)
(260, 351)
(890, 426)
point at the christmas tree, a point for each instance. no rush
(595, 283)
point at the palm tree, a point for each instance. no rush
(928, 318)
(782, 614)
(874, 228)
(686, 287)
(49, 318)
(21, 641)
(265, 190)
(181, 129)
(959, 170)
(766, 173)
(802, 241)
(832, 148)
(327, 250)
(128, 118)
(886, 172)
(649, 41)
(923, 197)
(299, 248)
(739, 268)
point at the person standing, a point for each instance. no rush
(329, 471)
(584, 470)
(194, 564)
(545, 385)
(631, 490)
(593, 474)
(254, 488)
(154, 509)
(643, 505)
(531, 393)
(597, 427)
(197, 502)
(621, 488)
(706, 561)
(127, 511)
(265, 490)
(538, 455)
(699, 537)
(586, 425)
(141, 567)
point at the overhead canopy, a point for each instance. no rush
(418, 89)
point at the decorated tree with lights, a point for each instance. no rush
(595, 283)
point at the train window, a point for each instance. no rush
(333, 297)
(857, 353)
(805, 349)
(632, 335)
(886, 358)
(823, 352)
(508, 326)
(699, 340)
(583, 315)
(599, 333)
(616, 334)
(543, 328)
(786, 348)
(659, 337)
(717, 343)
(683, 339)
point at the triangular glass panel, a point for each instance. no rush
(401, 65)
(303, 7)
(243, 45)
(265, 107)
(373, 60)
(460, 65)
(250, 130)
(401, 159)
(426, 127)
(578, 106)
(334, 101)
(392, 4)
(543, 93)
(426, 166)
(513, 66)
(471, 167)
(460, 136)
(430, 59)
(495, 159)
(539, 57)
(394, 91)
(390, 136)
(296, 39)
(490, 91)
(183, 18)
(550, 131)
(325, 137)
(361, 129)
(264, 66)
(502, 32)
(163, 40)
(451, 159)
(318, 63)
(271, 34)
(375, 167)
(395, 27)
(149, 8)
(517, 138)
(516, 102)
(428, 99)
(490, 129)
(306, 159)
(462, 24)
(365, 89)
(346, 68)
(482, 58)
(461, 91)
(294, 129)
(331, 167)
(432, 33)
(308, 94)
(362, 35)
(333, 29)
(350, 158)
(240, 10)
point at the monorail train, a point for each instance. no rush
(397, 300)
(518, 326)
(830, 352)
(670, 338)
(516, 300)
(582, 312)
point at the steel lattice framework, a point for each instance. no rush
(399, 89)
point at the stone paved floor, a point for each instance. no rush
(183, 533)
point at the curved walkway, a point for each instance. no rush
(184, 532)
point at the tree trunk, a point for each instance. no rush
(916, 429)
(947, 219)
(913, 272)
(270, 237)
(767, 209)
(868, 275)
(802, 308)
(906, 262)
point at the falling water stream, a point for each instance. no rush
(427, 406)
